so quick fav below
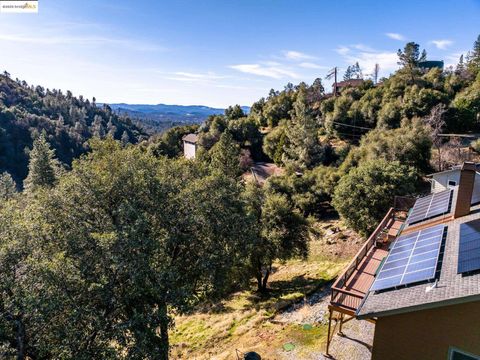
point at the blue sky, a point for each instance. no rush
(219, 53)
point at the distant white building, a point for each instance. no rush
(190, 145)
(449, 179)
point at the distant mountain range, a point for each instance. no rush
(157, 118)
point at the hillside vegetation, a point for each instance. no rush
(68, 121)
(133, 249)
(307, 131)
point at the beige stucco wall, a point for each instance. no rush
(428, 334)
(189, 150)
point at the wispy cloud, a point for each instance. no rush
(386, 60)
(310, 65)
(367, 57)
(79, 40)
(396, 36)
(291, 65)
(342, 50)
(363, 47)
(209, 75)
(297, 55)
(271, 70)
(194, 77)
(452, 59)
(442, 44)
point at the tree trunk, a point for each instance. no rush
(265, 280)
(439, 160)
(262, 279)
(20, 340)
(164, 322)
(259, 281)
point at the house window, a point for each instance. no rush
(452, 183)
(456, 354)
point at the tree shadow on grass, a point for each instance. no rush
(279, 295)
(283, 293)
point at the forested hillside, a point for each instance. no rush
(100, 259)
(26, 111)
(160, 117)
(309, 131)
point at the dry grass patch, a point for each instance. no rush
(243, 321)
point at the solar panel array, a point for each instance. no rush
(412, 258)
(431, 206)
(469, 247)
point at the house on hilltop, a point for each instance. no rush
(421, 286)
(339, 86)
(190, 146)
(430, 64)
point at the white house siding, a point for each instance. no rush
(189, 150)
(440, 183)
(440, 180)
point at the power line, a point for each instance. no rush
(347, 134)
(352, 126)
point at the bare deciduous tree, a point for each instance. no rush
(436, 123)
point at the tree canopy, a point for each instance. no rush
(68, 121)
(103, 258)
(280, 231)
(363, 196)
(42, 166)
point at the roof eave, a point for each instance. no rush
(419, 307)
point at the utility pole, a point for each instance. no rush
(333, 73)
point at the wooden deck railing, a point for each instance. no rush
(345, 298)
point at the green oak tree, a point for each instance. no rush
(96, 266)
(363, 196)
(280, 231)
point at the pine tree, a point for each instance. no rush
(8, 188)
(234, 112)
(353, 72)
(357, 71)
(473, 62)
(112, 129)
(460, 66)
(97, 127)
(125, 138)
(410, 58)
(225, 156)
(42, 166)
(348, 74)
(302, 149)
(315, 92)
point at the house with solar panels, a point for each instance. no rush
(448, 179)
(417, 278)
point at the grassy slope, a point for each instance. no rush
(244, 320)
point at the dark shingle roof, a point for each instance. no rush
(191, 138)
(351, 82)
